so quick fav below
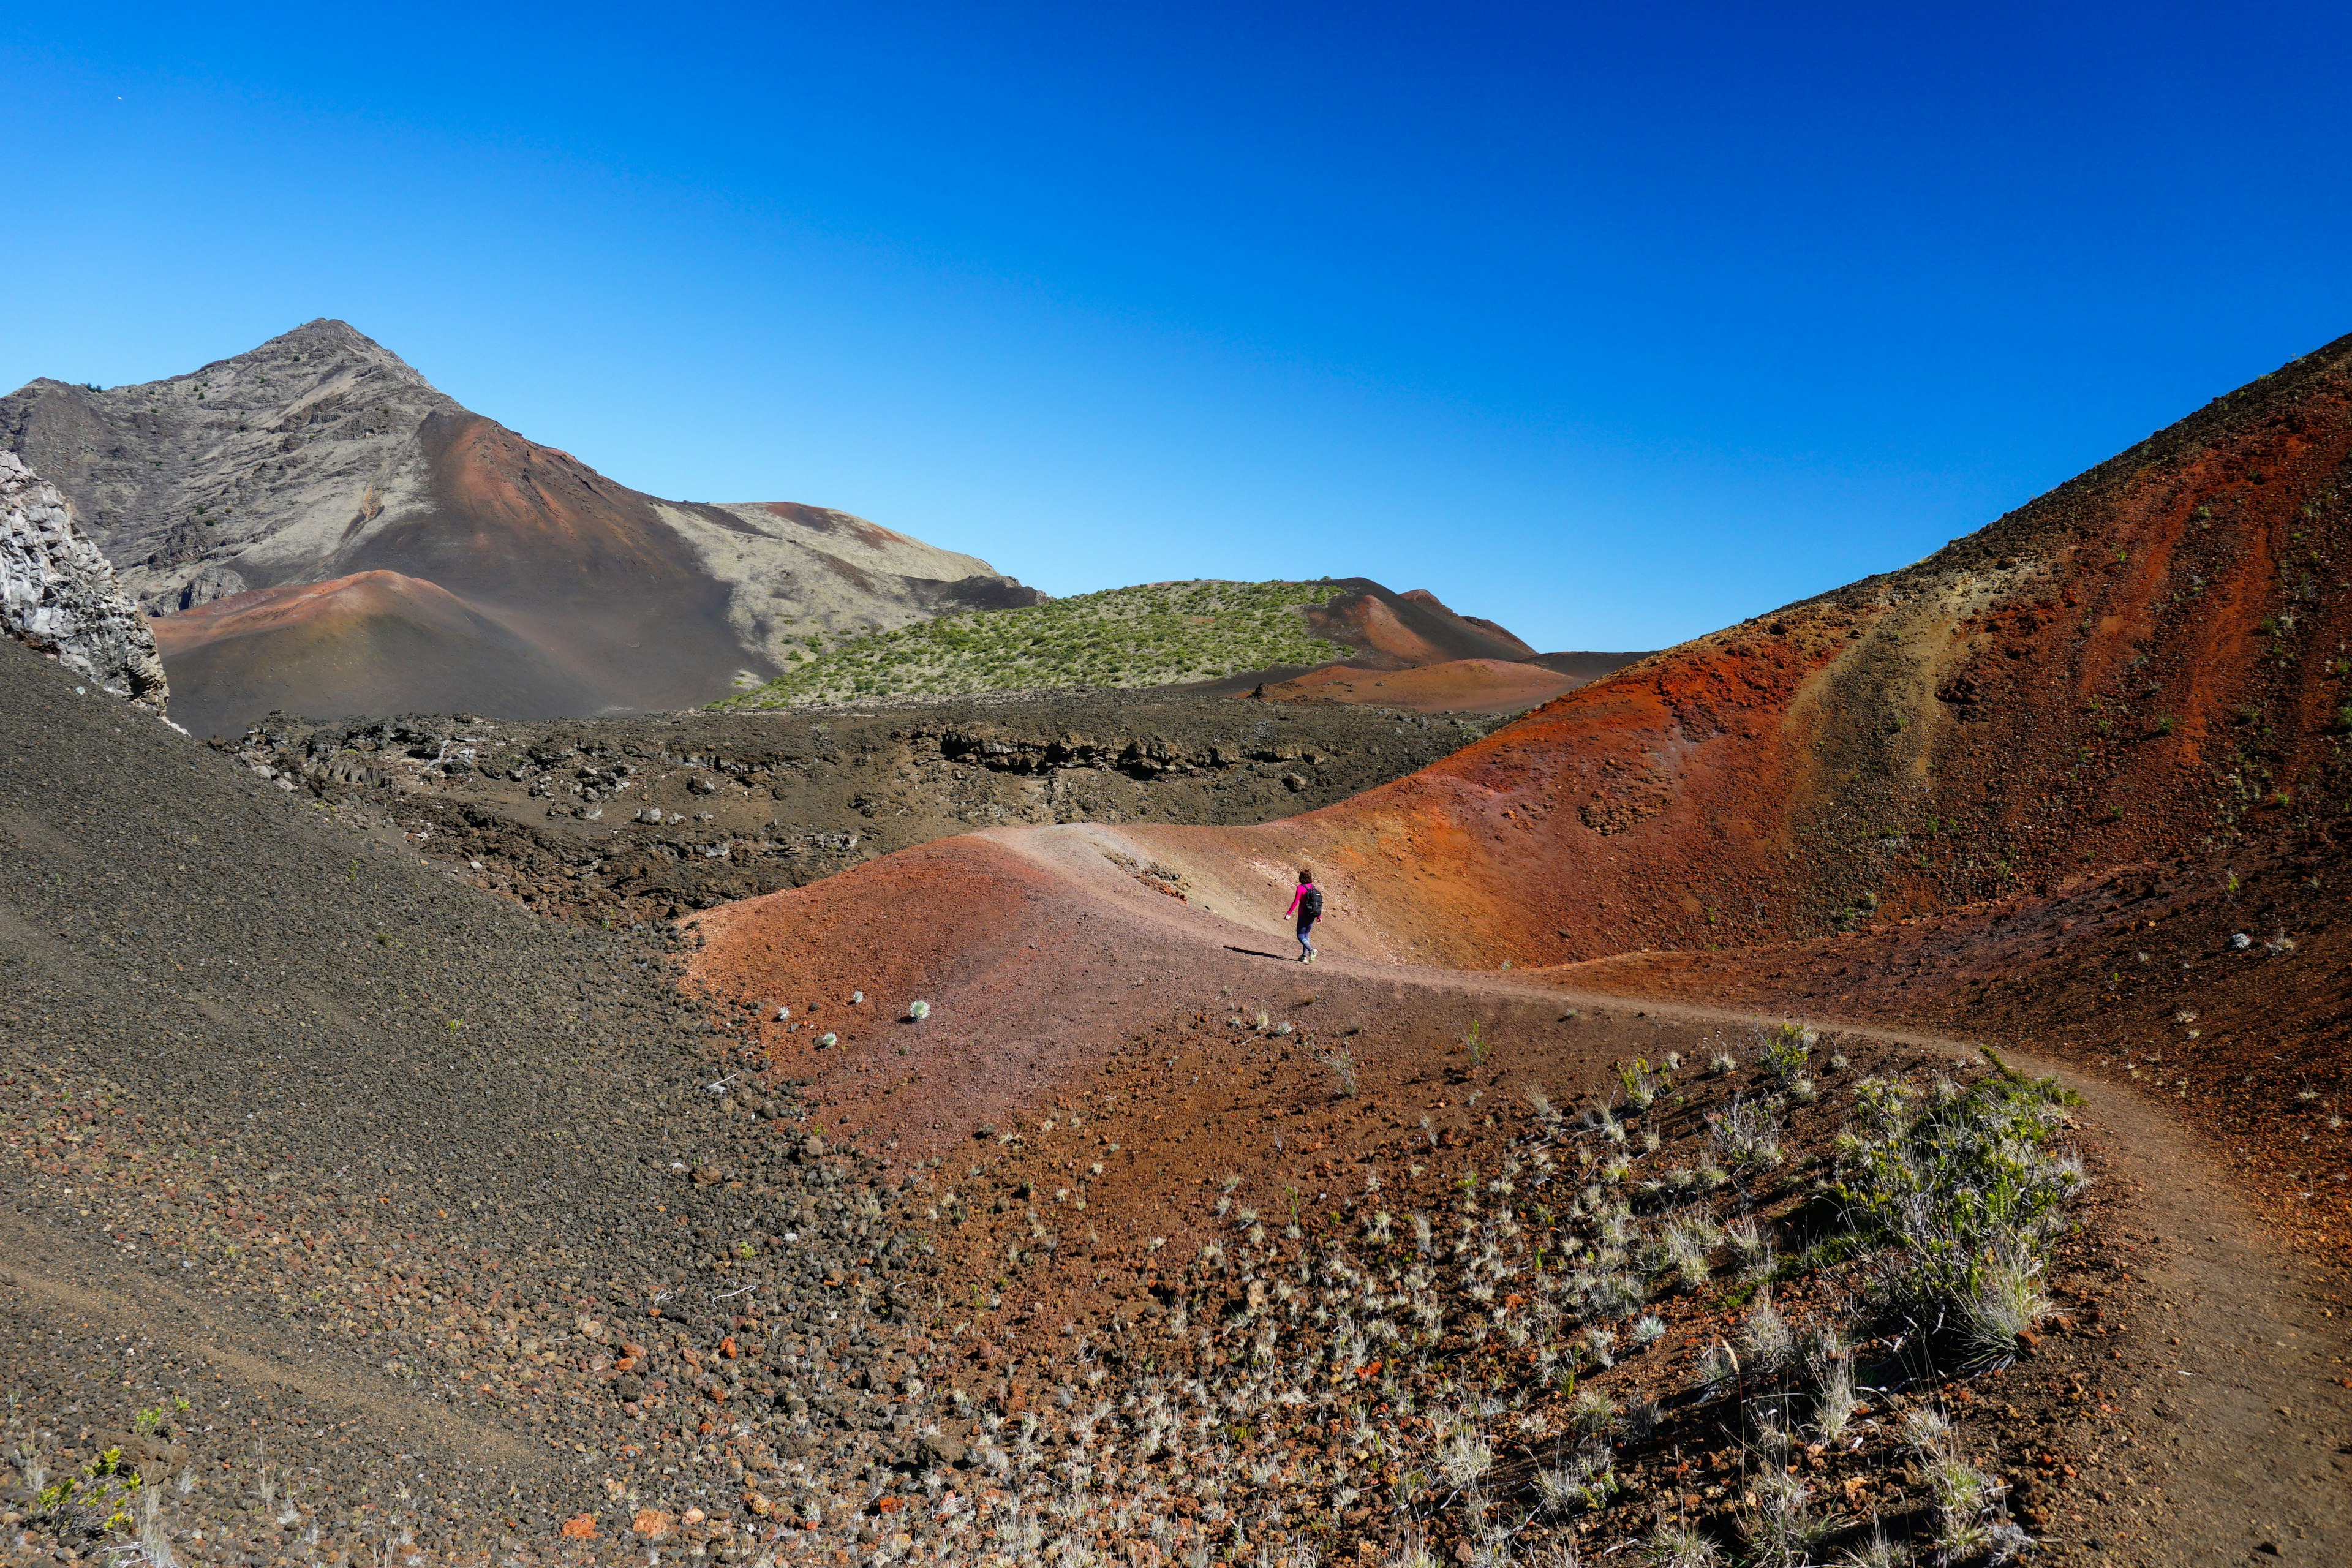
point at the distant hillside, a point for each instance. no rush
(321, 457)
(1158, 634)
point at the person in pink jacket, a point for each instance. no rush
(1307, 903)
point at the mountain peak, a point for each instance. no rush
(321, 348)
(321, 455)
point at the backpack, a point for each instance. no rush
(1310, 908)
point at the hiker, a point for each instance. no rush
(1308, 902)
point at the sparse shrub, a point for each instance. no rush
(1465, 1459)
(1145, 635)
(1342, 1063)
(1767, 1346)
(1876, 1552)
(1784, 1050)
(1718, 1370)
(919, 1011)
(92, 1502)
(1750, 1245)
(1593, 1414)
(1778, 1524)
(1834, 1399)
(1684, 1246)
(1722, 1062)
(2006, 1303)
(1676, 1543)
(1749, 1134)
(1966, 1192)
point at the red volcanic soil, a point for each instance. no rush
(1044, 953)
(1402, 631)
(2077, 783)
(369, 643)
(2147, 664)
(575, 563)
(2144, 668)
(1456, 686)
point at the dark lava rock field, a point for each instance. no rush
(633, 821)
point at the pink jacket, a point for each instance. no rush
(1295, 896)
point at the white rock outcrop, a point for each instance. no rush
(57, 593)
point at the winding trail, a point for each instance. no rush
(1045, 952)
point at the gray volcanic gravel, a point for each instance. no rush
(385, 1177)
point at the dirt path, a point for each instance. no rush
(2233, 1423)
(237, 1366)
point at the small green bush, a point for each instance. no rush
(1964, 1185)
(1785, 1050)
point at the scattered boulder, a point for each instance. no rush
(58, 594)
(940, 1448)
(210, 583)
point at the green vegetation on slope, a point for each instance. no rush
(1154, 635)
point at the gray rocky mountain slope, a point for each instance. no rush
(322, 457)
(57, 595)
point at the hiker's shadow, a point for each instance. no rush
(1255, 952)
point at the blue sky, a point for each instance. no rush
(1615, 324)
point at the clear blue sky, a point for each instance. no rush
(1616, 324)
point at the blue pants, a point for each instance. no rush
(1305, 945)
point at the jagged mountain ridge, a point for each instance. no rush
(321, 456)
